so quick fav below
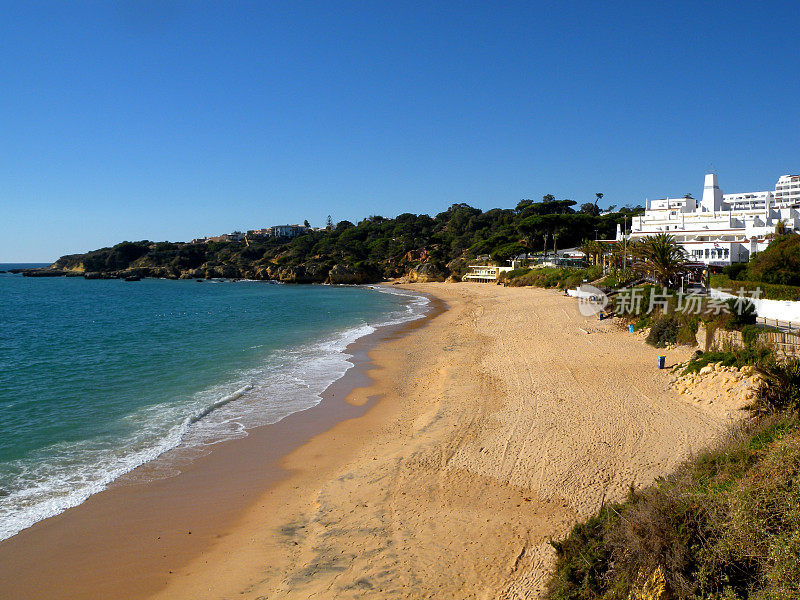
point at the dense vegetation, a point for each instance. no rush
(769, 291)
(552, 277)
(373, 249)
(778, 264)
(775, 271)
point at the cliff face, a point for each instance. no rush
(234, 266)
(269, 261)
(427, 272)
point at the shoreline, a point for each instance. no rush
(125, 540)
(477, 437)
(488, 441)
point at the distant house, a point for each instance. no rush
(721, 229)
(287, 231)
(259, 233)
(236, 236)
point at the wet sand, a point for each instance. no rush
(478, 437)
(128, 541)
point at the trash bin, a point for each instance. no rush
(630, 328)
(662, 360)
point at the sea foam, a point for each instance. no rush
(289, 380)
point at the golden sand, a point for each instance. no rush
(498, 426)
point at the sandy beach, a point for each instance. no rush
(500, 424)
(478, 437)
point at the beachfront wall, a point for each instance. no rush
(785, 344)
(782, 310)
(579, 293)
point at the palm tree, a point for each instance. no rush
(622, 257)
(661, 257)
(594, 250)
(587, 248)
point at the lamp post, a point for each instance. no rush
(624, 244)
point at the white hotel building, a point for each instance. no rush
(722, 228)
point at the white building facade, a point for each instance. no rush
(722, 228)
(484, 273)
(288, 231)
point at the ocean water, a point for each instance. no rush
(98, 377)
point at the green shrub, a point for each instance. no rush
(642, 322)
(781, 388)
(515, 273)
(618, 279)
(664, 331)
(736, 271)
(687, 333)
(770, 291)
(738, 357)
(584, 557)
(742, 312)
(552, 277)
(751, 335)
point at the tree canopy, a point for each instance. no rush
(385, 245)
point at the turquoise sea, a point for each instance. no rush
(100, 376)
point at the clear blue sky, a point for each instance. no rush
(171, 120)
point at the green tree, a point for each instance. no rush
(593, 250)
(781, 228)
(522, 205)
(662, 258)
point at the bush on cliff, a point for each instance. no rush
(781, 389)
(742, 312)
(754, 356)
(724, 526)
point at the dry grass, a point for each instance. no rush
(725, 526)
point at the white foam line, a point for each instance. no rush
(327, 358)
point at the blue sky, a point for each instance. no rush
(171, 120)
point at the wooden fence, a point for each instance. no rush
(783, 343)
